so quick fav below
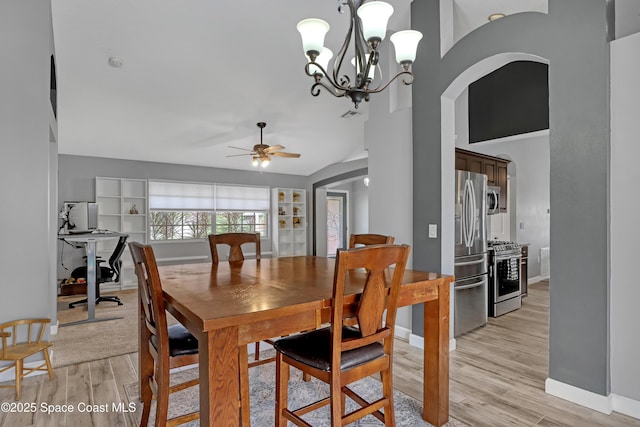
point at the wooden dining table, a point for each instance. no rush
(227, 306)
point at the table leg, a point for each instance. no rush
(219, 377)
(91, 287)
(91, 279)
(436, 357)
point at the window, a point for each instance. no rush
(183, 211)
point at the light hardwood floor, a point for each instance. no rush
(497, 373)
(497, 379)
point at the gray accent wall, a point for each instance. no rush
(76, 182)
(573, 38)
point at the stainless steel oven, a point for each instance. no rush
(505, 294)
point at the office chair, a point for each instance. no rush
(104, 274)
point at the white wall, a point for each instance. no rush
(26, 41)
(625, 176)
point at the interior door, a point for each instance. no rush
(336, 222)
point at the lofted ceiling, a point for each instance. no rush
(197, 75)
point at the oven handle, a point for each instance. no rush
(505, 257)
(473, 285)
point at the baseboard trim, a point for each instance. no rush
(625, 405)
(597, 402)
(418, 341)
(10, 374)
(53, 329)
(591, 400)
(403, 333)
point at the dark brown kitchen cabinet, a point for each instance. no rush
(465, 162)
(494, 167)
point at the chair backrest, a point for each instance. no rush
(370, 239)
(376, 260)
(114, 260)
(234, 240)
(150, 295)
(13, 333)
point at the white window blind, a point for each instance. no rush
(164, 195)
(181, 195)
(239, 198)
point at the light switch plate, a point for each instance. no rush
(433, 231)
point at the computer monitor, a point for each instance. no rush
(82, 216)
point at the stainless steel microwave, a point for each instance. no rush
(493, 200)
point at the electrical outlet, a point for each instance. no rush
(433, 231)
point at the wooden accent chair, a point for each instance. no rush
(169, 346)
(340, 355)
(235, 242)
(369, 239)
(15, 350)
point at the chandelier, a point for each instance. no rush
(367, 30)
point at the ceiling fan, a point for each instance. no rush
(262, 153)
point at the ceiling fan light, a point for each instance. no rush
(406, 44)
(375, 16)
(254, 161)
(312, 31)
(265, 161)
(322, 60)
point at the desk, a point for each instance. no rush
(226, 306)
(90, 240)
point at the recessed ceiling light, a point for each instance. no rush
(115, 62)
(495, 16)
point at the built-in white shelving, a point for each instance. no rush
(289, 231)
(122, 207)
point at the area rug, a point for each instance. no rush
(97, 340)
(262, 382)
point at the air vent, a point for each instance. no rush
(351, 114)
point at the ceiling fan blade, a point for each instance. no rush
(273, 148)
(238, 148)
(236, 155)
(281, 154)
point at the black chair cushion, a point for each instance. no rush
(313, 349)
(181, 342)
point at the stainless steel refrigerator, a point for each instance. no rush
(470, 265)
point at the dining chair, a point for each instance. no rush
(169, 346)
(235, 242)
(340, 355)
(21, 339)
(369, 239)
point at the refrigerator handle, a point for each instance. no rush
(469, 213)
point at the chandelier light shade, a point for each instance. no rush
(312, 31)
(374, 17)
(406, 43)
(367, 29)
